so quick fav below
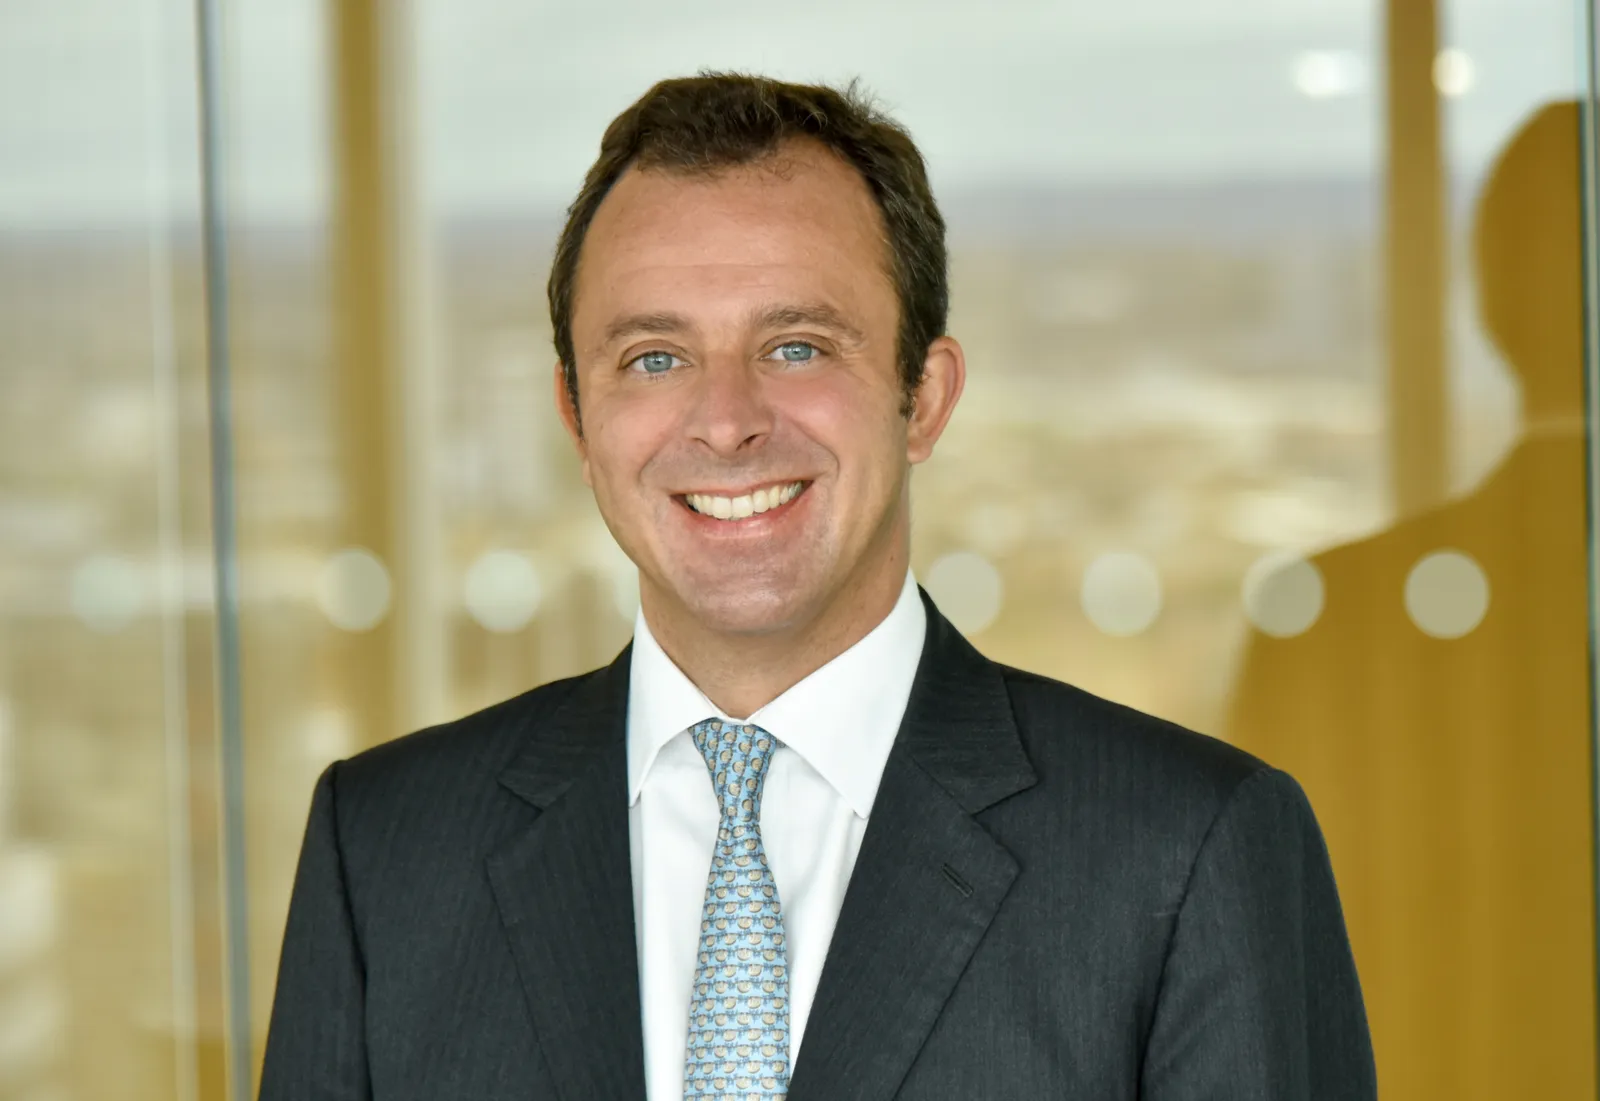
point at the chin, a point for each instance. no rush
(744, 610)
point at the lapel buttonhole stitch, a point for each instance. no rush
(956, 881)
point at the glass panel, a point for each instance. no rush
(110, 976)
(1272, 424)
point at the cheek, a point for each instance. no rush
(622, 440)
(863, 431)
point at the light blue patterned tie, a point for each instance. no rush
(739, 1008)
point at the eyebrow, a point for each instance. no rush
(767, 317)
(638, 323)
(818, 314)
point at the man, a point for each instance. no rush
(800, 807)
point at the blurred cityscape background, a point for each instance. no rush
(1212, 263)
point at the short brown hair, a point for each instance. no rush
(713, 121)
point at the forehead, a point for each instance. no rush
(801, 221)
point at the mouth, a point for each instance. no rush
(756, 502)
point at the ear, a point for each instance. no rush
(570, 419)
(944, 375)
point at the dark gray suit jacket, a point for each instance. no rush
(1056, 897)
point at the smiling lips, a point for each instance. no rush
(745, 506)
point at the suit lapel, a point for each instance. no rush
(565, 893)
(927, 881)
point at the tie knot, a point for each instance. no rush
(737, 755)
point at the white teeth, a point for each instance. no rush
(739, 508)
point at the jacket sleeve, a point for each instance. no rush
(1259, 999)
(316, 1042)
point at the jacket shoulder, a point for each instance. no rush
(1127, 802)
(469, 751)
(1118, 749)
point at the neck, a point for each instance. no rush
(741, 673)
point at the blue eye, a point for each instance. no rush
(656, 363)
(795, 351)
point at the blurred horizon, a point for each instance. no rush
(1036, 95)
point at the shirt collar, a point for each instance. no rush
(842, 718)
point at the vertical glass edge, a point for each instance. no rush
(225, 551)
(1589, 141)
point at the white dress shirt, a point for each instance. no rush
(834, 728)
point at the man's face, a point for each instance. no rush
(739, 395)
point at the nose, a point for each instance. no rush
(730, 413)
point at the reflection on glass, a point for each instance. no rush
(1437, 712)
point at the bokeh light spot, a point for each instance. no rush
(1447, 594)
(1328, 74)
(1454, 73)
(1121, 593)
(968, 590)
(1283, 594)
(353, 589)
(502, 591)
(107, 593)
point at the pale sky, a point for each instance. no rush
(509, 98)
